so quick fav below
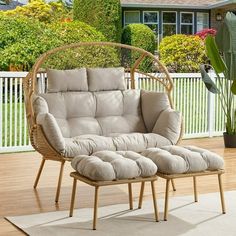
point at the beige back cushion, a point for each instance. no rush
(101, 113)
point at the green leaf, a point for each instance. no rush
(210, 85)
(214, 55)
(233, 87)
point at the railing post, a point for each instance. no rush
(1, 101)
(211, 108)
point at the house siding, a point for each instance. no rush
(160, 10)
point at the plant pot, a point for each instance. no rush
(230, 140)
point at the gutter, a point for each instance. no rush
(178, 6)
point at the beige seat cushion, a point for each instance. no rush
(108, 165)
(178, 160)
(89, 144)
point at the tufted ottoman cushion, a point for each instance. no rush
(178, 160)
(109, 165)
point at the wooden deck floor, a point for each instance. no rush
(17, 173)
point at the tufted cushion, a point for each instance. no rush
(67, 80)
(178, 160)
(107, 165)
(88, 144)
(100, 113)
(100, 79)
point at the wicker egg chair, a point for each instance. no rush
(142, 70)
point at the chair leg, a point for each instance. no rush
(72, 203)
(141, 195)
(195, 188)
(166, 199)
(95, 208)
(130, 196)
(221, 194)
(154, 201)
(39, 173)
(173, 185)
(59, 181)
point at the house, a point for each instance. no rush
(10, 6)
(167, 17)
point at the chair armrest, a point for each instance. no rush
(168, 125)
(52, 131)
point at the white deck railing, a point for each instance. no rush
(202, 114)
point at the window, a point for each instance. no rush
(131, 17)
(202, 21)
(186, 22)
(168, 23)
(150, 18)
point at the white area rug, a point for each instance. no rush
(185, 218)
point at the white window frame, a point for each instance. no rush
(153, 23)
(192, 24)
(206, 13)
(169, 23)
(125, 19)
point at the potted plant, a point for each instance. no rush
(221, 51)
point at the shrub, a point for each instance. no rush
(182, 53)
(140, 36)
(40, 10)
(203, 33)
(104, 15)
(23, 40)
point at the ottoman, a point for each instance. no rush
(105, 168)
(179, 162)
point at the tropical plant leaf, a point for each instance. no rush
(233, 87)
(210, 85)
(213, 54)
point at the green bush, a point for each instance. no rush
(23, 40)
(140, 36)
(104, 15)
(182, 53)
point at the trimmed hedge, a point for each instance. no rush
(140, 36)
(104, 15)
(182, 53)
(23, 40)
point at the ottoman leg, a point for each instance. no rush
(173, 185)
(221, 194)
(95, 208)
(195, 188)
(72, 203)
(130, 196)
(166, 199)
(154, 201)
(141, 195)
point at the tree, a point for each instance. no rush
(104, 15)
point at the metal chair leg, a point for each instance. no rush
(130, 196)
(166, 199)
(195, 188)
(141, 195)
(154, 201)
(59, 181)
(95, 208)
(221, 194)
(72, 203)
(173, 185)
(39, 173)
